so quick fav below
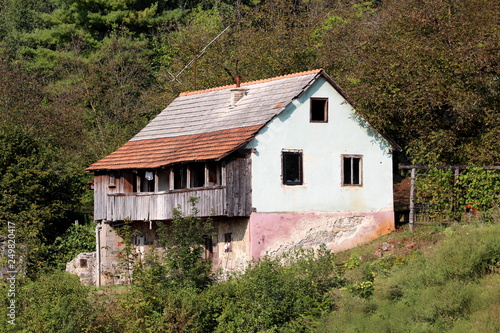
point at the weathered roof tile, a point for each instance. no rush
(202, 125)
(154, 153)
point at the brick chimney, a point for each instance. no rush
(237, 93)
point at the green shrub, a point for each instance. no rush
(55, 303)
(454, 288)
(275, 297)
(469, 254)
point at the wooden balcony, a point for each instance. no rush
(159, 206)
(116, 199)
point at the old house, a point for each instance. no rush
(279, 163)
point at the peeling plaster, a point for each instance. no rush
(278, 233)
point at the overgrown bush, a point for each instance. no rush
(475, 190)
(288, 294)
(272, 296)
(78, 238)
(436, 291)
(54, 303)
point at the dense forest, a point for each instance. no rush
(78, 78)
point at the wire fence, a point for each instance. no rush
(451, 193)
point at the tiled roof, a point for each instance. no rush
(210, 110)
(153, 153)
(249, 83)
(202, 125)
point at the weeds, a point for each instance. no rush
(424, 282)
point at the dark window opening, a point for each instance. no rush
(144, 181)
(228, 237)
(319, 110)
(209, 247)
(112, 179)
(147, 181)
(180, 176)
(83, 263)
(163, 180)
(135, 182)
(197, 174)
(351, 170)
(214, 173)
(292, 168)
(129, 179)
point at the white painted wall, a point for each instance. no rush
(322, 145)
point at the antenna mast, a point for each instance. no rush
(197, 56)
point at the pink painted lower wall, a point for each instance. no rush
(279, 233)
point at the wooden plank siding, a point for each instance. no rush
(159, 206)
(100, 193)
(239, 189)
(115, 201)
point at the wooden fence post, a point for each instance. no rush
(412, 197)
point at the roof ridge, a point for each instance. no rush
(314, 71)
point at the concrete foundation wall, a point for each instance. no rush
(112, 270)
(250, 238)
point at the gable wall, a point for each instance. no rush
(322, 145)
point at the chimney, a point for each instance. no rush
(237, 93)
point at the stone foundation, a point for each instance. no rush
(84, 265)
(239, 240)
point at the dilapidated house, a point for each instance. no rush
(279, 163)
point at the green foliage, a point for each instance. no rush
(423, 73)
(275, 297)
(438, 291)
(453, 287)
(78, 238)
(54, 303)
(38, 192)
(447, 196)
(410, 69)
(128, 253)
(181, 259)
(290, 293)
(481, 188)
(438, 190)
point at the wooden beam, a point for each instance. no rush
(412, 199)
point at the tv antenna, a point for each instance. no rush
(196, 57)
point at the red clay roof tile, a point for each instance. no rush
(155, 153)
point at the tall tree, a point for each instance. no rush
(39, 193)
(426, 73)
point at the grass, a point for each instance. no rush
(436, 279)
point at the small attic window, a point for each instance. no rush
(319, 110)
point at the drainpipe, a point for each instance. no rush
(98, 254)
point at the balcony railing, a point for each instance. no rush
(159, 206)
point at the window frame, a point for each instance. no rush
(284, 177)
(314, 110)
(178, 177)
(351, 183)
